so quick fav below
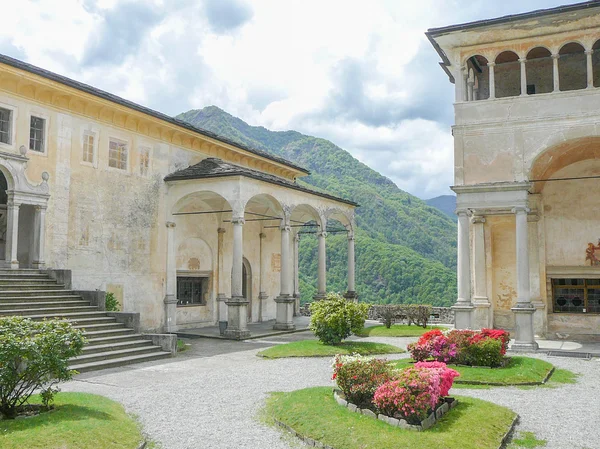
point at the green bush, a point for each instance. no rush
(335, 318)
(413, 313)
(487, 352)
(112, 305)
(358, 377)
(34, 355)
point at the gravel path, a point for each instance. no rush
(209, 396)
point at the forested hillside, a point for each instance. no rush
(445, 203)
(405, 249)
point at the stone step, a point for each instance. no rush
(113, 354)
(131, 343)
(113, 363)
(92, 334)
(47, 312)
(35, 292)
(30, 286)
(26, 281)
(97, 339)
(99, 327)
(21, 271)
(7, 276)
(20, 303)
(77, 320)
(41, 298)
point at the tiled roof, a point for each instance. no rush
(130, 104)
(216, 168)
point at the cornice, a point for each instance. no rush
(61, 97)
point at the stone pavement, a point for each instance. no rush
(257, 330)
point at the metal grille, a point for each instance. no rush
(576, 295)
(190, 291)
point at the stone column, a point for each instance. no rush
(539, 317)
(481, 303)
(555, 75)
(39, 237)
(523, 61)
(464, 89)
(171, 282)
(492, 77)
(285, 300)
(297, 274)
(262, 295)
(221, 297)
(524, 335)
(322, 267)
(590, 69)
(12, 234)
(463, 308)
(470, 84)
(351, 293)
(237, 305)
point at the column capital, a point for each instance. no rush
(520, 210)
(589, 52)
(477, 219)
(39, 207)
(285, 227)
(297, 237)
(13, 203)
(533, 218)
(170, 224)
(238, 220)
(350, 235)
(322, 234)
(555, 56)
(221, 231)
(462, 212)
(522, 60)
(491, 64)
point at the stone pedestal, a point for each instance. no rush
(351, 296)
(524, 335)
(462, 316)
(285, 313)
(236, 320)
(170, 314)
(482, 313)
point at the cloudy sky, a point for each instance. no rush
(358, 72)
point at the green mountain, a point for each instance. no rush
(405, 249)
(445, 203)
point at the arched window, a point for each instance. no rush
(539, 71)
(507, 75)
(479, 77)
(596, 63)
(572, 67)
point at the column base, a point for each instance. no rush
(236, 334)
(481, 313)
(38, 265)
(319, 296)
(524, 335)
(14, 265)
(463, 315)
(351, 296)
(237, 318)
(285, 312)
(296, 304)
(170, 302)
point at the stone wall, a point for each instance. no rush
(439, 315)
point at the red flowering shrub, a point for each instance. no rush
(434, 347)
(446, 374)
(411, 394)
(359, 377)
(498, 334)
(429, 335)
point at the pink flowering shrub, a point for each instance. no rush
(359, 377)
(410, 395)
(438, 348)
(446, 374)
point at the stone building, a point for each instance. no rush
(183, 226)
(527, 170)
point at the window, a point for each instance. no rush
(144, 161)
(117, 154)
(192, 291)
(5, 126)
(576, 295)
(37, 130)
(89, 147)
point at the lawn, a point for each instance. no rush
(397, 330)
(313, 413)
(314, 348)
(80, 421)
(520, 371)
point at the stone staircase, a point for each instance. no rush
(34, 294)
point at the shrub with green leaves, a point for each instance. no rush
(358, 377)
(487, 352)
(335, 318)
(112, 305)
(34, 355)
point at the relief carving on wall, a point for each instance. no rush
(592, 253)
(193, 264)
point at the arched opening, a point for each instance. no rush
(306, 222)
(596, 63)
(247, 285)
(572, 67)
(507, 74)
(479, 77)
(3, 214)
(539, 71)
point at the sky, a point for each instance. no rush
(357, 72)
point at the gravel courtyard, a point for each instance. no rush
(209, 396)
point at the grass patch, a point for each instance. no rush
(313, 412)
(79, 421)
(520, 370)
(526, 440)
(182, 345)
(314, 348)
(397, 330)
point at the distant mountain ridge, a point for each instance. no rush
(445, 203)
(405, 249)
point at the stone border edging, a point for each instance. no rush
(508, 435)
(499, 384)
(402, 423)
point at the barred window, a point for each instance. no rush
(117, 154)
(36, 134)
(576, 295)
(144, 161)
(192, 291)
(89, 151)
(5, 126)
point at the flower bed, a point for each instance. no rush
(463, 347)
(411, 398)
